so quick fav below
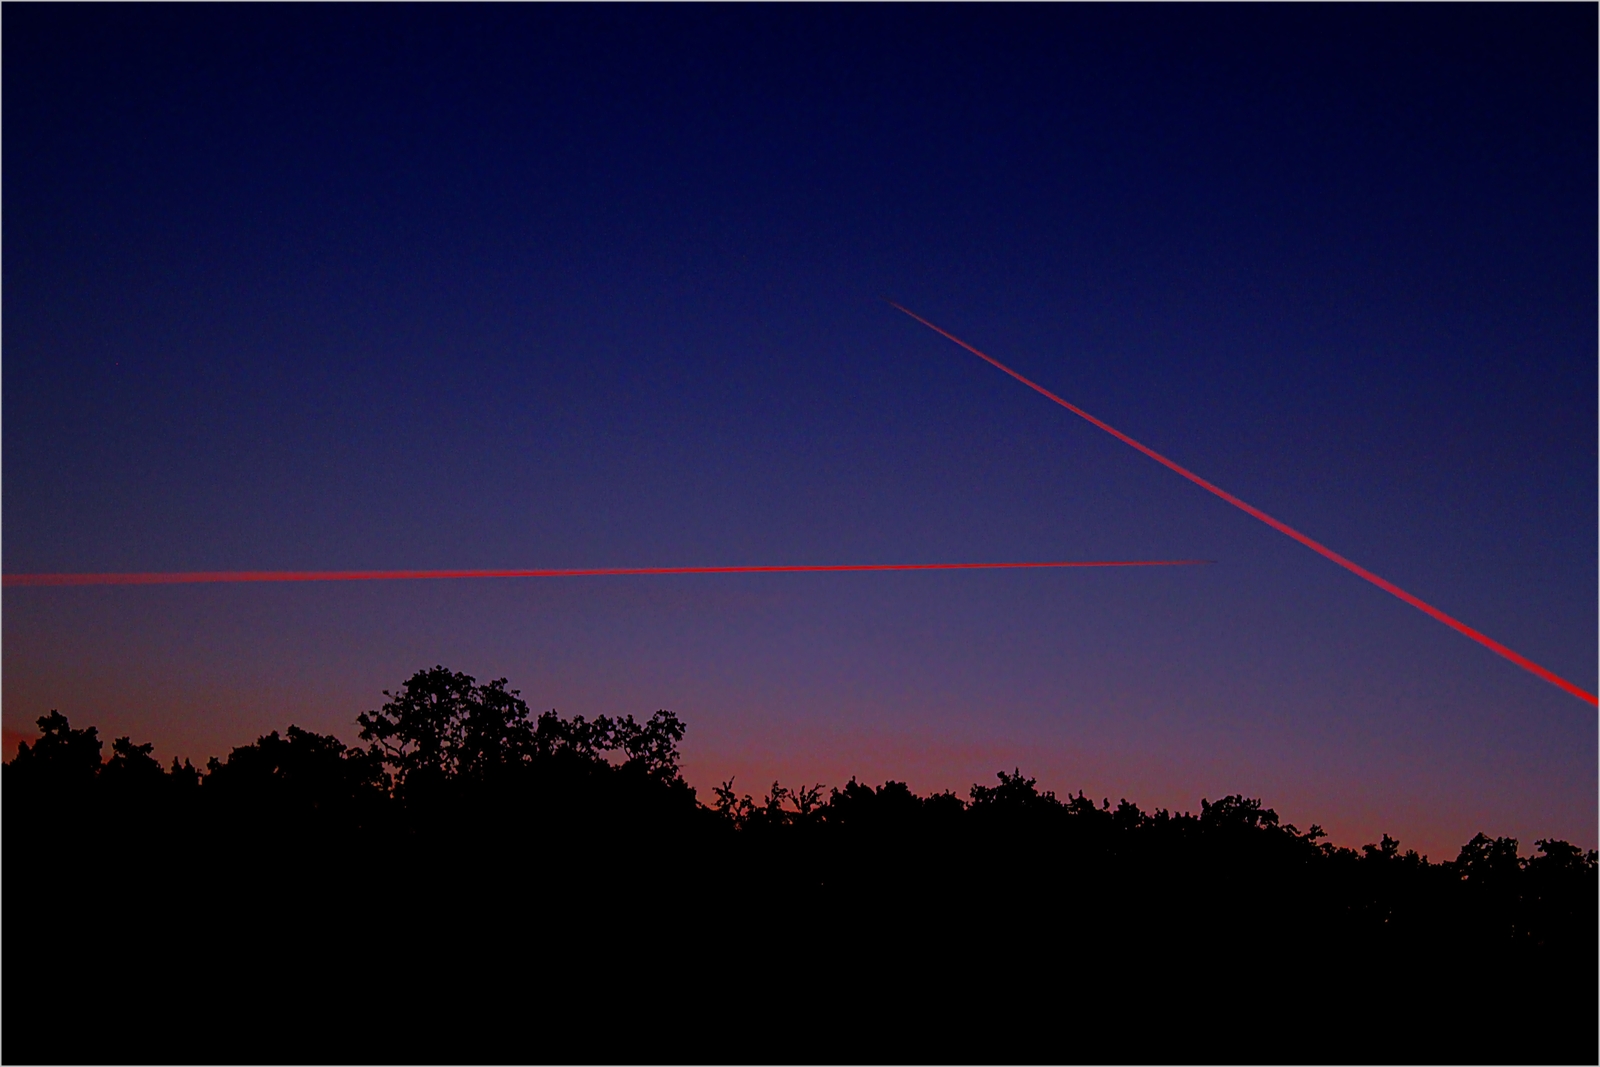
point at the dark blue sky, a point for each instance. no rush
(420, 287)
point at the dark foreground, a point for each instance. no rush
(478, 885)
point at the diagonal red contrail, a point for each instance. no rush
(190, 577)
(1389, 587)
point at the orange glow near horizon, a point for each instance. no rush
(1283, 528)
(192, 577)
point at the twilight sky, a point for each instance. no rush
(362, 288)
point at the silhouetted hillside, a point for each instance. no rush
(478, 883)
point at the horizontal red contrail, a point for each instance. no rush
(1389, 587)
(189, 577)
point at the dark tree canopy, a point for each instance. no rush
(473, 854)
(61, 755)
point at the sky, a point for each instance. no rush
(310, 288)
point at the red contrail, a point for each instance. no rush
(1389, 587)
(188, 577)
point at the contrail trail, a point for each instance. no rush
(1389, 587)
(192, 577)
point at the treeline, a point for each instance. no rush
(496, 885)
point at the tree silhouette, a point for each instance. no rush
(61, 756)
(442, 725)
(474, 861)
(301, 776)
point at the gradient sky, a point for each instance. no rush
(365, 288)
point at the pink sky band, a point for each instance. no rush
(1282, 527)
(193, 577)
